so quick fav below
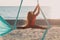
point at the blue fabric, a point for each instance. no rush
(18, 14)
(49, 26)
(5, 27)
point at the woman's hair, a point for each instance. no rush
(29, 16)
(29, 13)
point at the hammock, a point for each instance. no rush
(49, 26)
(5, 27)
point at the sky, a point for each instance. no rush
(53, 5)
(25, 2)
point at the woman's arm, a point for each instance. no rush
(35, 9)
(38, 10)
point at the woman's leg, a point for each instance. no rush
(34, 27)
(39, 27)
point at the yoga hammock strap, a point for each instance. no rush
(18, 14)
(49, 26)
(5, 27)
(45, 19)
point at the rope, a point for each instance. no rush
(45, 32)
(37, 1)
(18, 14)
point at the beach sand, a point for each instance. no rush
(33, 34)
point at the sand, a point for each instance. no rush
(33, 34)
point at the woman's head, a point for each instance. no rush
(30, 13)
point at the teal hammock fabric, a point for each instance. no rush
(18, 14)
(49, 26)
(5, 27)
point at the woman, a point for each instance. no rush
(31, 18)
